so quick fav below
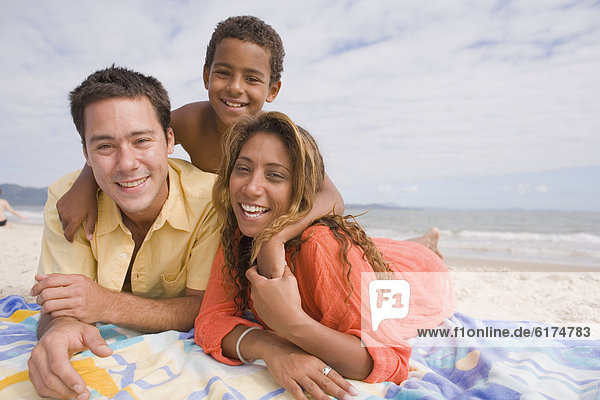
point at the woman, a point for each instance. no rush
(270, 174)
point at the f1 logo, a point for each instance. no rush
(389, 299)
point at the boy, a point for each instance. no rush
(242, 71)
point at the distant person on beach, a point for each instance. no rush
(242, 71)
(310, 326)
(148, 262)
(5, 206)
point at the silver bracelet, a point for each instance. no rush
(237, 345)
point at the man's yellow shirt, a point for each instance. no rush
(177, 252)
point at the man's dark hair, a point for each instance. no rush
(115, 82)
(249, 29)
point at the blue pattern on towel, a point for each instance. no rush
(170, 365)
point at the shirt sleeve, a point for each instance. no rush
(59, 255)
(390, 362)
(217, 315)
(321, 265)
(202, 254)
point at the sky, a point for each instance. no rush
(454, 104)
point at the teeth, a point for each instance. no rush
(254, 209)
(253, 212)
(234, 105)
(133, 184)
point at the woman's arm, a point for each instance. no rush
(218, 330)
(271, 256)
(217, 315)
(336, 310)
(290, 366)
(277, 302)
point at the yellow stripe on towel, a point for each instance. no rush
(19, 316)
(12, 379)
(96, 378)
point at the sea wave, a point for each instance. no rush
(580, 237)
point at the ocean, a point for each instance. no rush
(557, 237)
(35, 215)
(560, 237)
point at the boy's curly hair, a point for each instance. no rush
(249, 29)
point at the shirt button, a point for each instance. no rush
(123, 255)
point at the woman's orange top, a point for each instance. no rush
(325, 291)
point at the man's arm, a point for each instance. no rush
(58, 255)
(77, 296)
(271, 257)
(156, 315)
(50, 371)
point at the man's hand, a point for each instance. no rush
(50, 371)
(71, 295)
(276, 300)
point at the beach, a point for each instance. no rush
(485, 288)
(20, 246)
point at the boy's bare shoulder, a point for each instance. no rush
(191, 110)
(195, 130)
(189, 121)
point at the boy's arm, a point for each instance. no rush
(79, 204)
(271, 257)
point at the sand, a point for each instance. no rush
(20, 246)
(522, 291)
(492, 289)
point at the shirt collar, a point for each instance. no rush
(173, 211)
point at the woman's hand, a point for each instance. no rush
(276, 301)
(295, 370)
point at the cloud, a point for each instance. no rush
(385, 189)
(525, 188)
(543, 189)
(411, 189)
(393, 91)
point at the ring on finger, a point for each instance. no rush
(326, 370)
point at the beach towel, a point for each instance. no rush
(169, 365)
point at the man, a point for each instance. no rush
(148, 262)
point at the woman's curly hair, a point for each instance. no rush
(308, 174)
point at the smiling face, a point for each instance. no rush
(126, 148)
(260, 184)
(238, 80)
